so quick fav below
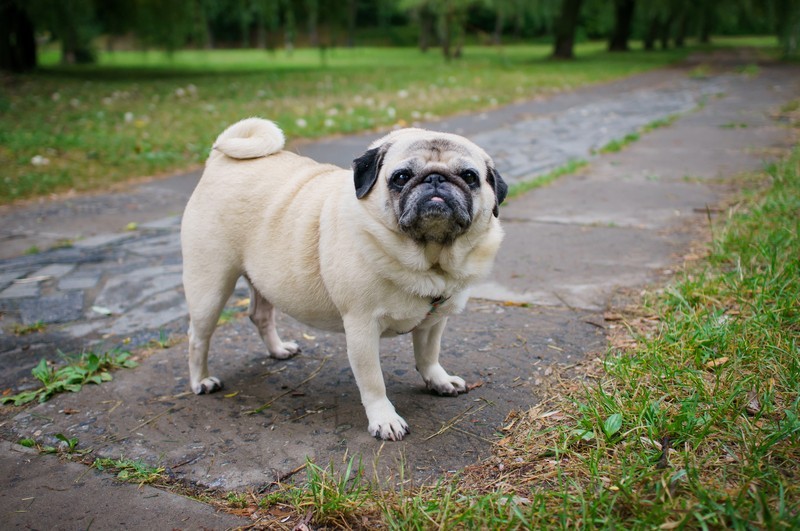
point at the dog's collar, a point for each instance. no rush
(435, 303)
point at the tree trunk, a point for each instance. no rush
(74, 22)
(623, 18)
(426, 20)
(445, 32)
(352, 12)
(313, 22)
(565, 29)
(498, 26)
(707, 20)
(17, 40)
(666, 28)
(288, 27)
(680, 30)
(651, 34)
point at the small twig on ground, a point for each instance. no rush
(188, 461)
(455, 420)
(465, 432)
(170, 409)
(290, 391)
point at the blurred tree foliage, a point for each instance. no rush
(77, 25)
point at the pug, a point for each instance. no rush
(389, 247)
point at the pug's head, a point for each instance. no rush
(436, 184)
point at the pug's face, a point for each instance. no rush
(436, 184)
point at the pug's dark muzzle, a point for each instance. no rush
(435, 208)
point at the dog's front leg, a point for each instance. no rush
(427, 343)
(363, 351)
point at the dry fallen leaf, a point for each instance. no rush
(716, 362)
(753, 406)
(475, 385)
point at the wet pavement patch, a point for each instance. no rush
(313, 410)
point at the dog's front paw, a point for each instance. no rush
(207, 385)
(443, 384)
(285, 350)
(386, 424)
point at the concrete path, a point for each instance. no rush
(621, 222)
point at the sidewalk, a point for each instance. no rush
(622, 222)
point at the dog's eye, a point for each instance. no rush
(470, 177)
(400, 178)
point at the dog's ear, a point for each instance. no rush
(500, 188)
(366, 169)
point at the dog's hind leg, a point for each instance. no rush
(207, 292)
(262, 314)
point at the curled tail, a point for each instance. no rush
(250, 138)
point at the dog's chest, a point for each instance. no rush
(428, 314)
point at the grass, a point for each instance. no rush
(87, 368)
(130, 470)
(33, 328)
(138, 114)
(692, 420)
(521, 187)
(618, 144)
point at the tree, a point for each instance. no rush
(72, 22)
(787, 26)
(352, 15)
(565, 27)
(623, 19)
(450, 17)
(312, 19)
(17, 40)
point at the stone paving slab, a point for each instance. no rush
(42, 492)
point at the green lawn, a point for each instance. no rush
(137, 114)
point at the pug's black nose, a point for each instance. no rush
(435, 178)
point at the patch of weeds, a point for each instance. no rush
(750, 70)
(236, 500)
(792, 106)
(701, 71)
(228, 315)
(88, 368)
(333, 498)
(33, 328)
(617, 145)
(446, 507)
(733, 125)
(133, 471)
(67, 445)
(521, 187)
(164, 340)
(660, 123)
(63, 244)
(32, 250)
